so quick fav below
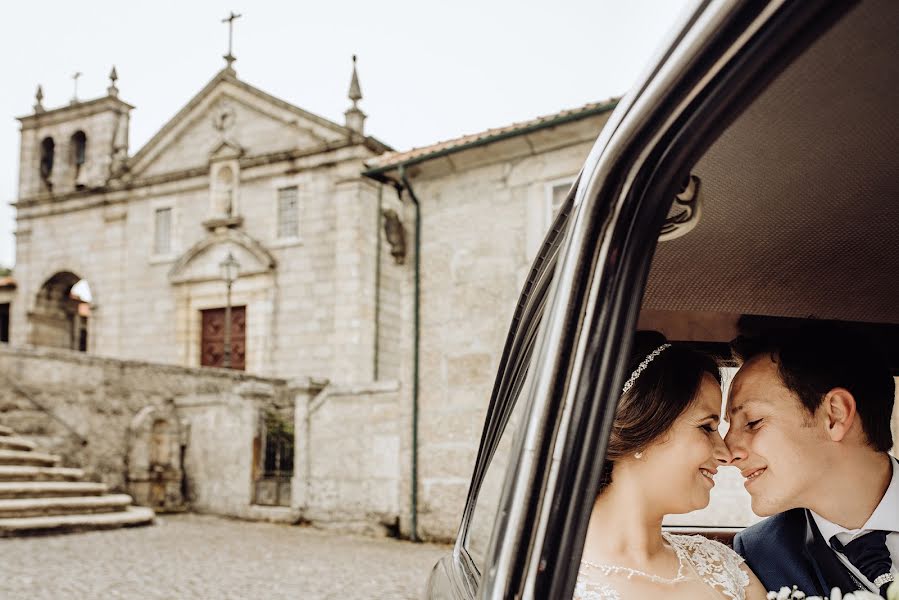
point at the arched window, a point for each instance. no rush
(79, 148)
(47, 149)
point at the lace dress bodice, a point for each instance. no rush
(700, 560)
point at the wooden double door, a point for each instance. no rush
(212, 341)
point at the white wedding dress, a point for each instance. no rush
(706, 569)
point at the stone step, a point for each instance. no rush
(27, 457)
(46, 507)
(131, 516)
(11, 442)
(4, 430)
(46, 489)
(36, 473)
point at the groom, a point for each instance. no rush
(809, 430)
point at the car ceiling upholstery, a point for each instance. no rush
(800, 195)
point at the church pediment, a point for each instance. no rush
(201, 262)
(232, 117)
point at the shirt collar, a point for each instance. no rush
(885, 516)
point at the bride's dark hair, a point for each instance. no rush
(664, 390)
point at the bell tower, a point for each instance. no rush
(82, 146)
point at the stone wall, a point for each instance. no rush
(480, 229)
(346, 463)
(392, 271)
(81, 406)
(348, 469)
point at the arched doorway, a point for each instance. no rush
(61, 313)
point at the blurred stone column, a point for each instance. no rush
(356, 205)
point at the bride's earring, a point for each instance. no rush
(638, 455)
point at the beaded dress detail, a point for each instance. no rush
(699, 560)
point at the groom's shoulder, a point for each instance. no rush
(777, 530)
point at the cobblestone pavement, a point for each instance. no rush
(192, 556)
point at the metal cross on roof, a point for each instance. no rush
(229, 58)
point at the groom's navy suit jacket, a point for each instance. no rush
(787, 549)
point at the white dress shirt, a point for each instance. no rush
(885, 517)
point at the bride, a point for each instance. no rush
(663, 451)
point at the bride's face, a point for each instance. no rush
(681, 465)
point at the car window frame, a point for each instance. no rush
(603, 273)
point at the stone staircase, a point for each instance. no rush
(36, 496)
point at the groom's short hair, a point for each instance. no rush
(817, 357)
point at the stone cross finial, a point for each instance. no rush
(229, 58)
(39, 100)
(112, 90)
(75, 78)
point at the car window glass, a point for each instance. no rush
(507, 407)
(484, 515)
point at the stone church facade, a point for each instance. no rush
(321, 219)
(235, 171)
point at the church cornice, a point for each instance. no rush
(123, 191)
(73, 112)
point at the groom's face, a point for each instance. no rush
(772, 439)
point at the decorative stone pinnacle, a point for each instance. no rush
(39, 100)
(355, 118)
(112, 90)
(355, 91)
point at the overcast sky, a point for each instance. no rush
(429, 70)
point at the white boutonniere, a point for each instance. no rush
(786, 593)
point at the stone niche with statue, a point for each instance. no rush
(156, 441)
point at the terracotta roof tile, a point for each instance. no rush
(396, 158)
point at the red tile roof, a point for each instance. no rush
(392, 159)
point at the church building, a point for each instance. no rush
(236, 173)
(251, 234)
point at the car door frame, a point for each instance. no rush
(723, 58)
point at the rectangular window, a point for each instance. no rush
(288, 213)
(4, 323)
(558, 194)
(162, 243)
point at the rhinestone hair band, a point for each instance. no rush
(642, 366)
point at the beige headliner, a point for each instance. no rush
(800, 211)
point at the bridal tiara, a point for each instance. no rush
(642, 366)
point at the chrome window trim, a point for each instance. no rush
(507, 389)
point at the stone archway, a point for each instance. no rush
(61, 313)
